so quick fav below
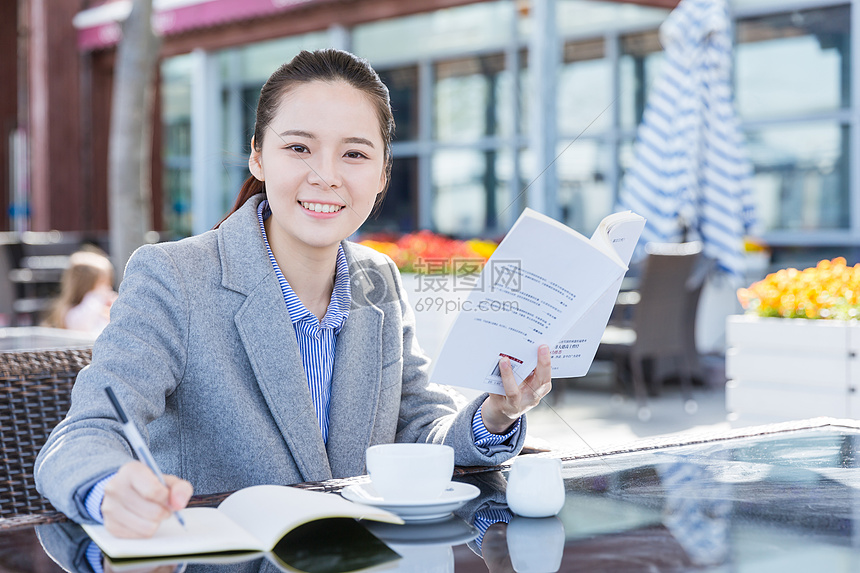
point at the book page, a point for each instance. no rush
(541, 279)
(574, 353)
(207, 530)
(147, 564)
(268, 512)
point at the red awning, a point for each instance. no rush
(99, 27)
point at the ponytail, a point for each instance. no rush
(251, 187)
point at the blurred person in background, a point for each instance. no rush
(86, 294)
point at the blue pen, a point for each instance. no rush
(136, 440)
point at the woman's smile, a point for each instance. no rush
(321, 208)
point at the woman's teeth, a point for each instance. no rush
(321, 207)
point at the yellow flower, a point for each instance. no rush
(483, 248)
(827, 290)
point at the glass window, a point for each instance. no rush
(177, 136)
(584, 195)
(177, 201)
(399, 210)
(625, 157)
(403, 90)
(639, 64)
(257, 61)
(176, 87)
(793, 63)
(459, 199)
(250, 97)
(239, 106)
(754, 4)
(470, 191)
(508, 202)
(469, 98)
(585, 89)
(588, 17)
(176, 145)
(524, 95)
(462, 29)
(801, 175)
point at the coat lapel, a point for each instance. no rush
(270, 342)
(269, 339)
(355, 390)
(358, 361)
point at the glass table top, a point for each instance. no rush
(783, 502)
(30, 338)
(775, 499)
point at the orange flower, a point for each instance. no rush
(428, 253)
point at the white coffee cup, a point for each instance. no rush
(410, 472)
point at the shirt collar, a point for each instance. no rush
(341, 298)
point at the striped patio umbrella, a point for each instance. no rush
(690, 178)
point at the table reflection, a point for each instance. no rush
(780, 501)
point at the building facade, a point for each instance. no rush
(499, 104)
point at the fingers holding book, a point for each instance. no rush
(136, 502)
(500, 412)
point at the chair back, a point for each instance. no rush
(662, 317)
(35, 394)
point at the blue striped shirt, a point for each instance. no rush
(316, 337)
(486, 517)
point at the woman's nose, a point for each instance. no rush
(324, 172)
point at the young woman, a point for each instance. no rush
(270, 350)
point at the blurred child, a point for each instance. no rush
(86, 294)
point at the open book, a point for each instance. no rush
(254, 519)
(544, 284)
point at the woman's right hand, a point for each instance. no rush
(135, 502)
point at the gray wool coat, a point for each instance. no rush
(201, 351)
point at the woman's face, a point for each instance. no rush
(322, 162)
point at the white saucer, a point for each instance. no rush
(454, 496)
(447, 531)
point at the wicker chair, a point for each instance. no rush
(35, 394)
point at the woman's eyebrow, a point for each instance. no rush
(359, 140)
(298, 133)
(308, 135)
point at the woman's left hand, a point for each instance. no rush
(500, 412)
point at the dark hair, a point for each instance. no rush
(327, 65)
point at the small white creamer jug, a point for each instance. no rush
(535, 487)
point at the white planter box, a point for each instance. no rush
(789, 369)
(436, 305)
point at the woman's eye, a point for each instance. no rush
(355, 155)
(298, 148)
